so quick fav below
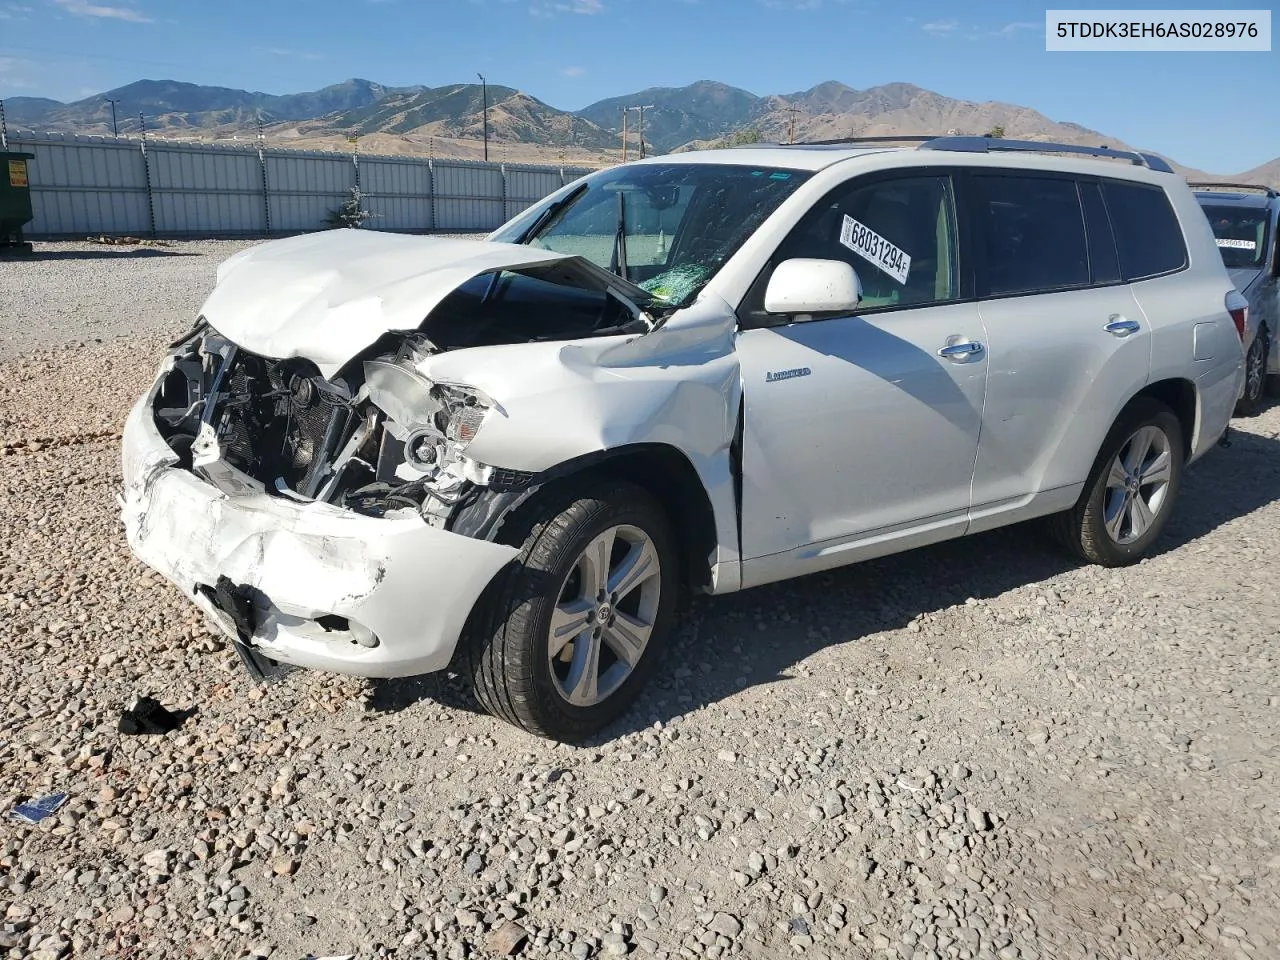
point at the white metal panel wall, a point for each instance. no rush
(85, 186)
(206, 191)
(89, 185)
(527, 185)
(397, 191)
(469, 196)
(304, 187)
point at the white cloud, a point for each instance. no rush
(940, 28)
(83, 8)
(1010, 29)
(551, 8)
(573, 71)
(293, 54)
(11, 73)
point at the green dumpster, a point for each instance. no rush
(15, 201)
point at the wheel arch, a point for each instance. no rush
(662, 470)
(1180, 396)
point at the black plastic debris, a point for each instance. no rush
(36, 810)
(149, 717)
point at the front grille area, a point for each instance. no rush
(279, 420)
(296, 433)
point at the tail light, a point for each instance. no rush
(1240, 317)
(1238, 307)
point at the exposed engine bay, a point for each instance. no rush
(253, 424)
(378, 436)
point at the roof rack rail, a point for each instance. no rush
(990, 144)
(1206, 185)
(908, 138)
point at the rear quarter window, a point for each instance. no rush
(1149, 238)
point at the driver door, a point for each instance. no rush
(860, 432)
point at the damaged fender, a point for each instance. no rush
(679, 387)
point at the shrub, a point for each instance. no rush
(350, 214)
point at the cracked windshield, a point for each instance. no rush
(666, 227)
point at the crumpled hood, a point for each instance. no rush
(327, 296)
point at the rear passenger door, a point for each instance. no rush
(1067, 342)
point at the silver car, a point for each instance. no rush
(1244, 219)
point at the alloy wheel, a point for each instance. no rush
(1138, 484)
(1255, 370)
(604, 615)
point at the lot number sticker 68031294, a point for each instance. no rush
(875, 249)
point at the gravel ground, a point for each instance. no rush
(974, 750)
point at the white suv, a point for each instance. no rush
(388, 455)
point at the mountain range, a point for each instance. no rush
(706, 113)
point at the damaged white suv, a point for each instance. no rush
(387, 455)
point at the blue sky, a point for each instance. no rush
(1215, 111)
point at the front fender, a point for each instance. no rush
(559, 406)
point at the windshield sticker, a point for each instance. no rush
(779, 176)
(1238, 244)
(875, 249)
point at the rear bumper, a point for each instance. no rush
(304, 568)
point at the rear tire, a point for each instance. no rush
(1131, 489)
(1255, 376)
(565, 638)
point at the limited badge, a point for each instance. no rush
(875, 249)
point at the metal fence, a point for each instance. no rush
(102, 185)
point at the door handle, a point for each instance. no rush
(963, 350)
(1121, 326)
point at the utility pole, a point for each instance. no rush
(624, 133)
(484, 88)
(791, 127)
(114, 131)
(641, 110)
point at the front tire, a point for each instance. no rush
(565, 639)
(1255, 376)
(1131, 490)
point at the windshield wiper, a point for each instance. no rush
(545, 217)
(619, 265)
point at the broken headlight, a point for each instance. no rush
(434, 421)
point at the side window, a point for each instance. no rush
(1032, 231)
(1104, 265)
(1148, 235)
(899, 235)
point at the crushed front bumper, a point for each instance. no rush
(318, 586)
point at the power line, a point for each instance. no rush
(641, 109)
(791, 127)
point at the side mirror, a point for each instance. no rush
(813, 286)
